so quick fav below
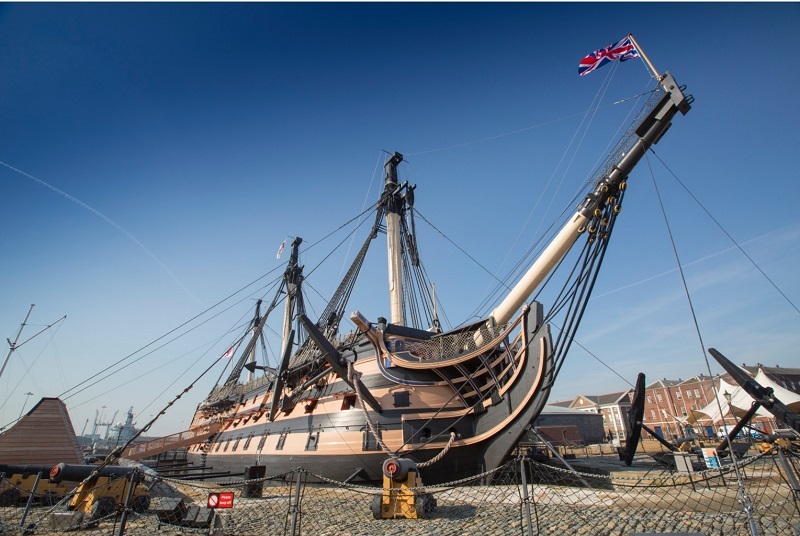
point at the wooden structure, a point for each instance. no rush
(44, 436)
(147, 449)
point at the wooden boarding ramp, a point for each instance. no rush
(146, 449)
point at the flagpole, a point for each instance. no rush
(644, 57)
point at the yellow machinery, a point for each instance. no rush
(401, 495)
(104, 493)
(20, 481)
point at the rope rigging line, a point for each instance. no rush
(340, 243)
(560, 349)
(151, 343)
(117, 452)
(743, 496)
(354, 376)
(680, 268)
(11, 391)
(718, 224)
(482, 267)
(525, 129)
(126, 382)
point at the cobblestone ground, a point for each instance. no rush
(708, 504)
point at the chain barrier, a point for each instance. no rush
(524, 497)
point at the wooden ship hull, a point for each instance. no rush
(328, 433)
(456, 403)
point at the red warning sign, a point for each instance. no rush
(220, 500)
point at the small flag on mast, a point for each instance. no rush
(228, 354)
(280, 249)
(621, 50)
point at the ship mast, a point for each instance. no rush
(291, 279)
(394, 207)
(647, 133)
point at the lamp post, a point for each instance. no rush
(728, 396)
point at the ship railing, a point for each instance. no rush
(449, 346)
(170, 442)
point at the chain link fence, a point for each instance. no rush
(523, 497)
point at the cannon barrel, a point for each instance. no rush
(11, 469)
(76, 473)
(398, 468)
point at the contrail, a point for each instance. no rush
(108, 221)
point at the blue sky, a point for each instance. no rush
(155, 156)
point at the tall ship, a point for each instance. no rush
(456, 402)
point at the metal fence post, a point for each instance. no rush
(789, 470)
(127, 504)
(525, 498)
(30, 500)
(295, 506)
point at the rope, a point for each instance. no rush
(441, 454)
(354, 377)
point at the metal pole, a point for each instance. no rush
(525, 498)
(559, 456)
(644, 57)
(30, 500)
(13, 345)
(27, 395)
(744, 498)
(790, 475)
(295, 507)
(128, 496)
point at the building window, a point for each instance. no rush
(697, 393)
(658, 396)
(678, 395)
(649, 399)
(688, 393)
(653, 414)
(683, 410)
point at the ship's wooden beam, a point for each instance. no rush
(277, 387)
(334, 359)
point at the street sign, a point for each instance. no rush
(220, 500)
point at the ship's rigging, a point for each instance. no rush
(410, 289)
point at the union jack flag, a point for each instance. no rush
(621, 50)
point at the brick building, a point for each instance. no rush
(613, 407)
(672, 408)
(669, 403)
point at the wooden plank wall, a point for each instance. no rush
(43, 436)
